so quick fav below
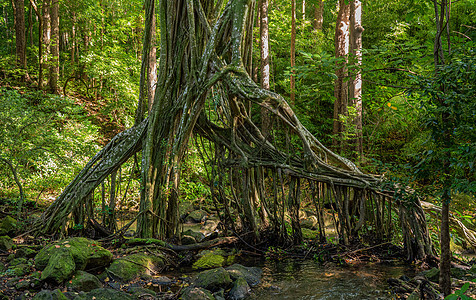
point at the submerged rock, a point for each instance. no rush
(252, 275)
(135, 266)
(240, 289)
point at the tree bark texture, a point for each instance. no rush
(293, 50)
(356, 30)
(45, 41)
(265, 63)
(441, 12)
(148, 78)
(54, 47)
(203, 50)
(341, 83)
(318, 15)
(20, 36)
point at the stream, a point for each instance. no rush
(307, 280)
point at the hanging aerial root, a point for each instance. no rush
(103, 164)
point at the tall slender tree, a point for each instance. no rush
(265, 62)
(45, 41)
(148, 78)
(341, 83)
(293, 51)
(356, 30)
(20, 36)
(442, 13)
(318, 15)
(54, 47)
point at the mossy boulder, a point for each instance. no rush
(252, 275)
(142, 293)
(196, 216)
(240, 289)
(196, 293)
(210, 259)
(135, 266)
(86, 254)
(8, 226)
(83, 281)
(108, 294)
(50, 295)
(213, 280)
(60, 267)
(188, 240)
(6, 243)
(196, 235)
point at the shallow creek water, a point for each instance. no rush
(308, 280)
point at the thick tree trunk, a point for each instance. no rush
(148, 78)
(356, 30)
(45, 41)
(318, 15)
(265, 66)
(341, 83)
(54, 47)
(293, 50)
(152, 76)
(20, 36)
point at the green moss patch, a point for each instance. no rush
(135, 266)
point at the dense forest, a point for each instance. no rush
(139, 139)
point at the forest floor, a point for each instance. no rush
(129, 268)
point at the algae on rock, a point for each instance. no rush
(83, 281)
(86, 253)
(135, 266)
(213, 280)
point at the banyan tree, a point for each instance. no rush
(204, 92)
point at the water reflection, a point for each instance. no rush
(309, 280)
